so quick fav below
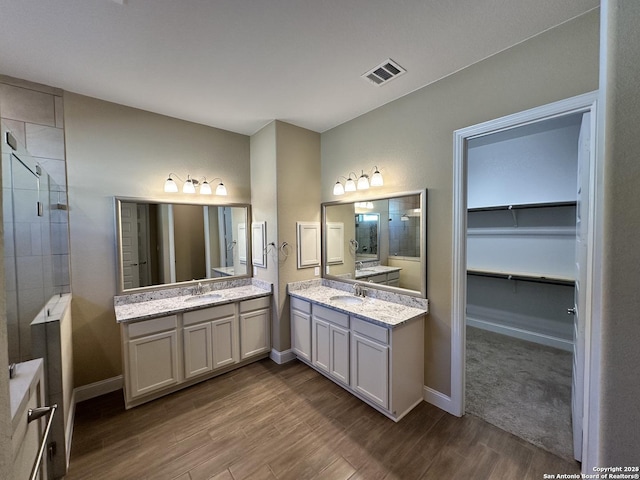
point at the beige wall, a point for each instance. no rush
(282, 157)
(620, 390)
(113, 150)
(264, 206)
(411, 140)
(298, 159)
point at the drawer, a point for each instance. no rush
(393, 275)
(148, 327)
(211, 313)
(255, 304)
(300, 305)
(377, 278)
(371, 330)
(332, 316)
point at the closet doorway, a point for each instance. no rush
(522, 261)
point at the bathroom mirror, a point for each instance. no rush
(383, 242)
(163, 243)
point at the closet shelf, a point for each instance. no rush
(554, 280)
(522, 206)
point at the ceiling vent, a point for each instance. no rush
(384, 73)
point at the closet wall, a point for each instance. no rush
(522, 187)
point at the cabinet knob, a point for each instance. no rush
(571, 311)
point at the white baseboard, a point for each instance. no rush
(530, 336)
(282, 357)
(96, 389)
(438, 399)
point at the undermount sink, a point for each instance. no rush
(365, 271)
(347, 299)
(204, 297)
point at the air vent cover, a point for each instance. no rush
(384, 73)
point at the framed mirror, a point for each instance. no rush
(163, 244)
(381, 241)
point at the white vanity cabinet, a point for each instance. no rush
(164, 354)
(370, 361)
(301, 328)
(391, 278)
(381, 365)
(151, 360)
(255, 327)
(210, 339)
(330, 342)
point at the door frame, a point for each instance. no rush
(580, 103)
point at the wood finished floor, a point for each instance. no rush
(269, 421)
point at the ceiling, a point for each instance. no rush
(238, 64)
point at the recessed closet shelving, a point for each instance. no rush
(521, 231)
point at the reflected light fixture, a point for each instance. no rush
(189, 186)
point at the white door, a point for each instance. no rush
(129, 226)
(582, 227)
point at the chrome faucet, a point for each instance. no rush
(198, 289)
(359, 290)
(358, 265)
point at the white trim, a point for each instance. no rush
(523, 231)
(580, 103)
(93, 390)
(282, 357)
(438, 399)
(522, 334)
(69, 427)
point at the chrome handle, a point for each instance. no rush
(571, 311)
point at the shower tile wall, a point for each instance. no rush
(404, 227)
(34, 114)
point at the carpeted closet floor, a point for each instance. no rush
(521, 387)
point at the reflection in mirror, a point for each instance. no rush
(367, 236)
(383, 240)
(163, 243)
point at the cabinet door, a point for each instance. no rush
(301, 334)
(339, 351)
(370, 369)
(321, 344)
(198, 357)
(153, 362)
(254, 333)
(225, 342)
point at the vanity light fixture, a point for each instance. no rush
(364, 182)
(189, 186)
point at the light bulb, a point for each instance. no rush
(363, 182)
(376, 179)
(170, 186)
(205, 188)
(221, 189)
(350, 185)
(188, 186)
(338, 189)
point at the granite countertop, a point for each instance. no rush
(141, 310)
(374, 310)
(375, 270)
